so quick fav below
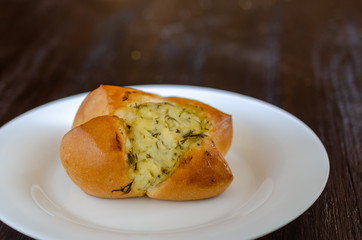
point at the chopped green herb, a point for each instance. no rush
(167, 117)
(179, 146)
(182, 111)
(188, 134)
(126, 189)
(155, 134)
(200, 135)
(132, 157)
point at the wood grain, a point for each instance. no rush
(303, 56)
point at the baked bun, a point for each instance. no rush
(128, 143)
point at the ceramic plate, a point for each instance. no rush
(280, 168)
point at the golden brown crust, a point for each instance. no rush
(106, 99)
(202, 173)
(95, 157)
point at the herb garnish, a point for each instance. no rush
(167, 117)
(126, 189)
(182, 111)
(189, 135)
(132, 157)
(155, 134)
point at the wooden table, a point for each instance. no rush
(302, 56)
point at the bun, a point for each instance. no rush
(128, 143)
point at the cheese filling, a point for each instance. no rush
(160, 133)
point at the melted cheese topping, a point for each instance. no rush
(160, 133)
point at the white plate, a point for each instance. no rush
(280, 168)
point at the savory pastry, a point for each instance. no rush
(128, 143)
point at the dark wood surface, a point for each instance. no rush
(303, 56)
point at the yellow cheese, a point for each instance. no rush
(160, 133)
